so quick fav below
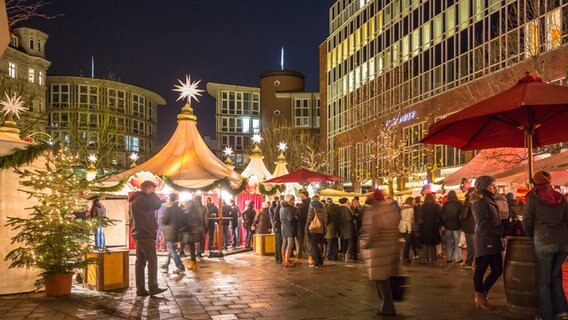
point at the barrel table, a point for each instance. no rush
(520, 274)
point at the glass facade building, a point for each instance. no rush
(387, 59)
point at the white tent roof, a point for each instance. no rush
(488, 162)
(556, 164)
(281, 170)
(186, 159)
(256, 166)
(10, 139)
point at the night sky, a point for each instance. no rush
(152, 43)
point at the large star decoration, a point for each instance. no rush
(12, 105)
(134, 156)
(256, 138)
(282, 146)
(92, 158)
(228, 151)
(188, 89)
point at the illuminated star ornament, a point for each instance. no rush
(133, 156)
(256, 138)
(188, 89)
(282, 146)
(228, 151)
(12, 105)
(92, 158)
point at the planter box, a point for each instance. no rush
(263, 244)
(112, 271)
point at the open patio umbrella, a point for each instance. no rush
(303, 176)
(530, 114)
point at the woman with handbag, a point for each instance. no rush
(380, 247)
(545, 219)
(314, 228)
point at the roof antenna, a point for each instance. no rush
(92, 66)
(282, 58)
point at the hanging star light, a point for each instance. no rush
(133, 156)
(256, 138)
(228, 151)
(188, 89)
(282, 146)
(12, 105)
(92, 158)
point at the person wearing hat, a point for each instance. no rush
(261, 222)
(487, 239)
(143, 205)
(289, 221)
(545, 219)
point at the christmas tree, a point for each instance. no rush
(54, 239)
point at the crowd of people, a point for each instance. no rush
(373, 231)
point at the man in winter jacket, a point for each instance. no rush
(248, 217)
(345, 220)
(274, 212)
(302, 217)
(144, 203)
(204, 218)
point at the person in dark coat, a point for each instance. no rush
(212, 218)
(331, 211)
(235, 224)
(357, 222)
(346, 227)
(289, 222)
(227, 218)
(451, 210)
(204, 218)
(545, 219)
(487, 238)
(468, 227)
(261, 222)
(430, 227)
(98, 211)
(302, 216)
(143, 205)
(274, 212)
(316, 235)
(248, 218)
(193, 231)
(173, 221)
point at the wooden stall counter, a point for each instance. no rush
(112, 271)
(263, 244)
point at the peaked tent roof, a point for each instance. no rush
(487, 162)
(281, 170)
(256, 166)
(556, 165)
(186, 159)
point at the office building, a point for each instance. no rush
(413, 62)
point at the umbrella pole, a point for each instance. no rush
(529, 138)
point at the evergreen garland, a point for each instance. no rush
(277, 188)
(25, 156)
(222, 183)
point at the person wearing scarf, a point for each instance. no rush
(545, 219)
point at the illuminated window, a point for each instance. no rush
(12, 70)
(246, 125)
(438, 28)
(31, 75)
(450, 20)
(302, 112)
(415, 42)
(478, 7)
(40, 79)
(531, 39)
(344, 162)
(426, 37)
(553, 29)
(463, 14)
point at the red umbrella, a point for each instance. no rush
(531, 113)
(303, 176)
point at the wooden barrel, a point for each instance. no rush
(520, 274)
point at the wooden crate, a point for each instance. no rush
(112, 271)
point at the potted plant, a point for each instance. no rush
(54, 238)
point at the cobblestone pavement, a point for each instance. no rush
(245, 286)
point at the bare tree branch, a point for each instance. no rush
(23, 10)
